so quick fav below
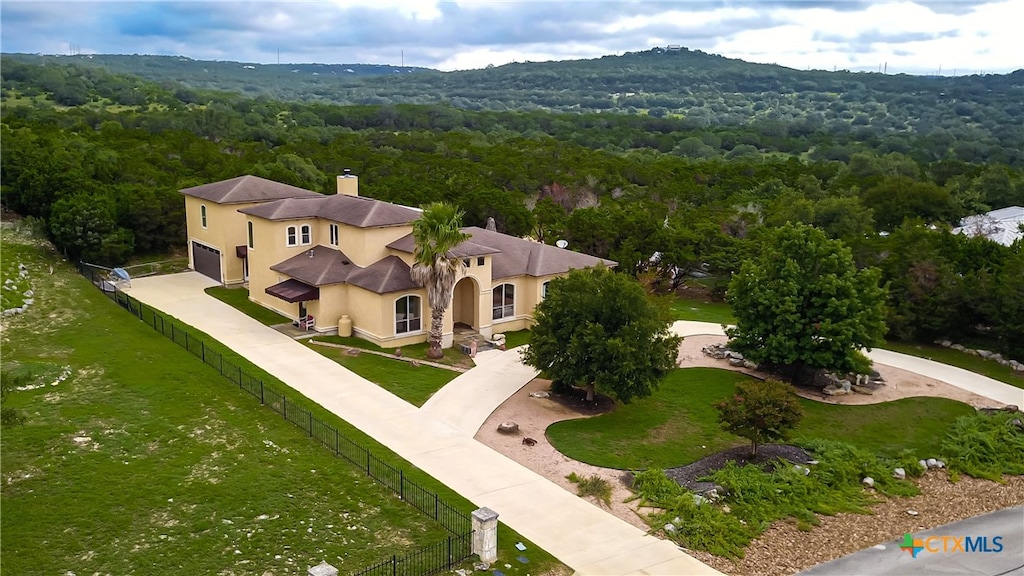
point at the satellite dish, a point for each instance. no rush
(561, 243)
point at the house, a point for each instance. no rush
(345, 260)
(1005, 225)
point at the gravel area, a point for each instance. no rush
(784, 550)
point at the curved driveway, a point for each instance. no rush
(578, 533)
(438, 438)
(972, 382)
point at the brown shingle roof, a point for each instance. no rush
(513, 256)
(330, 266)
(390, 274)
(351, 210)
(246, 189)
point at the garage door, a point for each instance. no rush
(206, 260)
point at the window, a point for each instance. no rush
(465, 262)
(503, 300)
(334, 234)
(544, 290)
(249, 224)
(202, 214)
(307, 234)
(292, 239)
(480, 261)
(407, 314)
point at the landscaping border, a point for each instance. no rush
(430, 559)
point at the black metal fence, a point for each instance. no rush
(428, 560)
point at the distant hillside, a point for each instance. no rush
(700, 91)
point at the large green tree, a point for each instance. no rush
(801, 303)
(598, 330)
(436, 232)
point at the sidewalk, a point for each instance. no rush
(576, 532)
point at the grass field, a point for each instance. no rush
(702, 311)
(145, 460)
(961, 360)
(679, 425)
(414, 384)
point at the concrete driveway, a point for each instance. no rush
(578, 533)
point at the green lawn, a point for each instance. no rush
(146, 458)
(414, 384)
(678, 425)
(960, 360)
(702, 311)
(239, 299)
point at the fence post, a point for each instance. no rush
(435, 506)
(449, 564)
(239, 374)
(202, 345)
(261, 385)
(311, 423)
(485, 534)
(186, 340)
(367, 462)
(401, 484)
(337, 442)
(394, 565)
(284, 404)
(172, 333)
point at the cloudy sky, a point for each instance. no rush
(917, 37)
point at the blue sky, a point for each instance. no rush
(917, 37)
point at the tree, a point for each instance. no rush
(436, 232)
(802, 303)
(760, 412)
(597, 329)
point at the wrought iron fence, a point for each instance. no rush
(428, 560)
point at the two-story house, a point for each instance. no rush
(306, 255)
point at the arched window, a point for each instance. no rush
(503, 302)
(202, 214)
(249, 223)
(307, 234)
(407, 314)
(291, 236)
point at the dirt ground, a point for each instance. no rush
(534, 415)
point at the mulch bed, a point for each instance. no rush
(767, 456)
(576, 400)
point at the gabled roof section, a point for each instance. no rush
(1002, 225)
(388, 275)
(352, 210)
(321, 266)
(247, 189)
(512, 256)
(318, 266)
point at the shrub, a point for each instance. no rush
(760, 412)
(985, 446)
(592, 486)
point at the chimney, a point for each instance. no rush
(348, 183)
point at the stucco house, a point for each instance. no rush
(318, 259)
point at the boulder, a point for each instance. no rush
(1017, 422)
(945, 343)
(958, 347)
(868, 482)
(670, 528)
(736, 362)
(899, 474)
(508, 428)
(749, 365)
(931, 463)
(984, 353)
(732, 354)
(863, 390)
(923, 463)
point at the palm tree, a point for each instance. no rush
(436, 233)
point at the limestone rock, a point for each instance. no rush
(736, 362)
(508, 428)
(670, 528)
(749, 365)
(899, 474)
(868, 481)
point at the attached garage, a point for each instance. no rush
(206, 260)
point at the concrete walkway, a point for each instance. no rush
(581, 535)
(972, 382)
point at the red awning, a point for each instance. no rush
(292, 290)
(241, 251)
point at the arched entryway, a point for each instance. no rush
(466, 303)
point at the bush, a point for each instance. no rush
(985, 446)
(760, 412)
(592, 486)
